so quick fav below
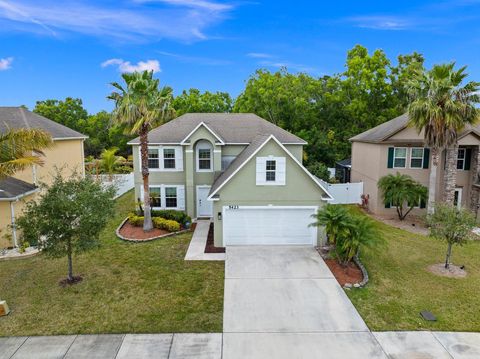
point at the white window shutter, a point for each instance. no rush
(281, 170)
(179, 158)
(181, 197)
(261, 170)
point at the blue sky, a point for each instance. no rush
(55, 49)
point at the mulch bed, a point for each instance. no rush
(209, 247)
(345, 274)
(136, 233)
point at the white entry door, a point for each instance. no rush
(268, 225)
(204, 206)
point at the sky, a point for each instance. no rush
(54, 49)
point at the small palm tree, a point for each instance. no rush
(140, 106)
(109, 161)
(402, 191)
(335, 218)
(21, 148)
(442, 107)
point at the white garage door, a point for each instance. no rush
(271, 225)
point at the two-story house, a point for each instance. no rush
(240, 170)
(396, 147)
(66, 154)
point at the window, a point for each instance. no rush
(270, 168)
(416, 157)
(204, 156)
(169, 158)
(153, 160)
(461, 158)
(171, 197)
(399, 157)
(155, 197)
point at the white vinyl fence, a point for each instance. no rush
(123, 182)
(344, 193)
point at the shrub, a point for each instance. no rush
(178, 216)
(135, 220)
(166, 224)
(320, 170)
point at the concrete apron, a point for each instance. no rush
(283, 302)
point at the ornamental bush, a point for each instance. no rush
(178, 216)
(166, 224)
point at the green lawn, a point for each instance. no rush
(127, 287)
(400, 286)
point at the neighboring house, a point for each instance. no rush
(65, 154)
(238, 169)
(343, 169)
(395, 147)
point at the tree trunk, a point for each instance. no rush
(432, 182)
(449, 254)
(70, 264)
(450, 174)
(147, 215)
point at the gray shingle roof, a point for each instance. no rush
(230, 127)
(11, 188)
(238, 161)
(19, 117)
(382, 132)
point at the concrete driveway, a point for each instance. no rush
(283, 302)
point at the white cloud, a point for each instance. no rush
(381, 22)
(6, 63)
(127, 66)
(259, 55)
(184, 20)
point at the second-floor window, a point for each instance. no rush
(169, 158)
(461, 158)
(416, 157)
(399, 157)
(204, 156)
(153, 159)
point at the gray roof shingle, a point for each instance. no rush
(11, 188)
(230, 127)
(19, 117)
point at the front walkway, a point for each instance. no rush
(196, 249)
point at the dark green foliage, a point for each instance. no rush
(179, 216)
(320, 170)
(68, 217)
(402, 192)
(158, 222)
(195, 101)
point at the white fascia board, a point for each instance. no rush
(208, 128)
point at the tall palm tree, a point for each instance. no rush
(442, 107)
(21, 148)
(140, 106)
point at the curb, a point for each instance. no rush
(117, 232)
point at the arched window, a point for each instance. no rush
(204, 156)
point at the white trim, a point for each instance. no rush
(411, 156)
(460, 194)
(464, 159)
(161, 168)
(196, 200)
(291, 156)
(314, 228)
(163, 200)
(182, 142)
(16, 198)
(69, 138)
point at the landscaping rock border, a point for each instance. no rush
(360, 265)
(18, 256)
(117, 232)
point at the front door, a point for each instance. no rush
(204, 206)
(457, 200)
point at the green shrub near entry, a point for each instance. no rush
(135, 220)
(166, 224)
(178, 216)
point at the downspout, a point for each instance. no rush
(14, 229)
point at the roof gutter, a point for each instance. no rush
(16, 198)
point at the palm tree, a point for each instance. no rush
(442, 107)
(335, 218)
(21, 148)
(140, 106)
(109, 161)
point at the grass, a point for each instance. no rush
(127, 288)
(400, 285)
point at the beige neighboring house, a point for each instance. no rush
(395, 147)
(66, 153)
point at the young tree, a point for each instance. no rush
(450, 224)
(335, 218)
(402, 191)
(68, 217)
(21, 148)
(140, 106)
(109, 161)
(441, 107)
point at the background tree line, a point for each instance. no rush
(325, 111)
